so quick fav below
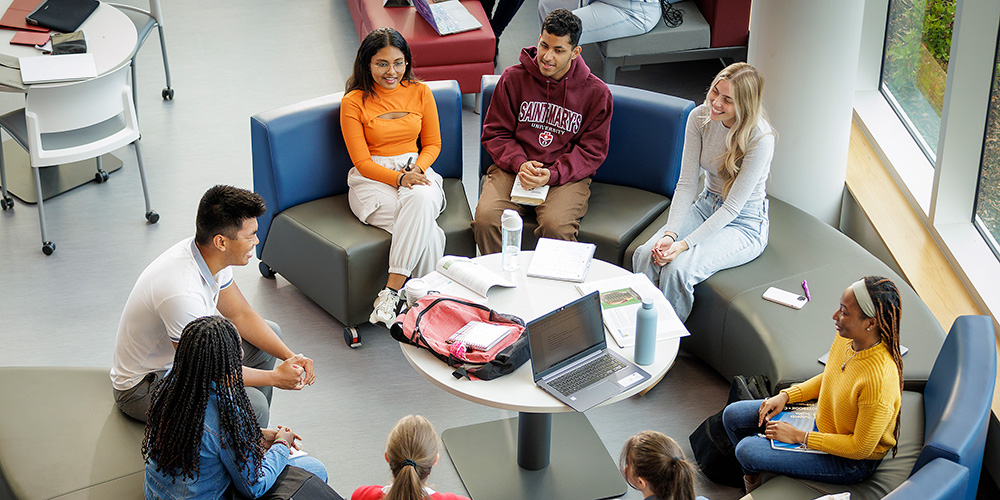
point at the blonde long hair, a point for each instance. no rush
(746, 86)
(413, 438)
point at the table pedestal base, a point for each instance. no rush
(55, 180)
(579, 466)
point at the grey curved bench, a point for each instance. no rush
(737, 332)
(61, 436)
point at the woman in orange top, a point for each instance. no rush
(392, 186)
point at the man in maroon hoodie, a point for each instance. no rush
(548, 123)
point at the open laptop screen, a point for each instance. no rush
(566, 333)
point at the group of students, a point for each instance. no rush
(203, 442)
(186, 370)
(548, 123)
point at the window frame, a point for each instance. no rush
(943, 194)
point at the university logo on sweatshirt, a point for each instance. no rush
(550, 117)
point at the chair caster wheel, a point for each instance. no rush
(152, 216)
(48, 247)
(168, 94)
(351, 337)
(7, 203)
(101, 176)
(266, 271)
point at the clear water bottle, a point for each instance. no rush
(645, 333)
(510, 240)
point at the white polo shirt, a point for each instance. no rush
(173, 290)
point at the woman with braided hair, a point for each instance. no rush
(202, 436)
(858, 397)
(654, 464)
(411, 451)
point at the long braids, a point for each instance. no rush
(888, 312)
(411, 450)
(208, 358)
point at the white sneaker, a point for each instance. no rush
(385, 307)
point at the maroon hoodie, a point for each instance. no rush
(565, 124)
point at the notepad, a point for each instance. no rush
(480, 336)
(61, 68)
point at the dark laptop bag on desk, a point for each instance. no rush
(62, 15)
(435, 317)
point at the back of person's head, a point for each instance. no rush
(379, 38)
(208, 357)
(658, 460)
(411, 450)
(562, 22)
(223, 209)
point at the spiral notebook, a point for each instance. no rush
(480, 336)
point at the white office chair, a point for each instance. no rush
(66, 123)
(144, 22)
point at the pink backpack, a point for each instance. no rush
(436, 317)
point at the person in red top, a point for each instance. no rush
(548, 123)
(392, 186)
(411, 451)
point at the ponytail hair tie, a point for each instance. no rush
(409, 462)
(675, 460)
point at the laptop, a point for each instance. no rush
(570, 356)
(447, 17)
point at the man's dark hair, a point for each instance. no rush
(562, 22)
(223, 209)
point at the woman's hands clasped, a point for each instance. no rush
(666, 250)
(780, 431)
(412, 176)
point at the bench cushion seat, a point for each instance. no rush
(68, 416)
(693, 33)
(739, 333)
(347, 254)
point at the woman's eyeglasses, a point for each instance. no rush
(383, 66)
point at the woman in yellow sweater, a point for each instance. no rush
(858, 393)
(384, 111)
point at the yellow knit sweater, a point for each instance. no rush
(857, 406)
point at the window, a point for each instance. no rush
(915, 65)
(987, 216)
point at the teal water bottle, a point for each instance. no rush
(645, 333)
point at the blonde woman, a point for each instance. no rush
(726, 225)
(411, 451)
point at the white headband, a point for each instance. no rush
(864, 298)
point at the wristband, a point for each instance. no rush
(282, 441)
(667, 234)
(399, 179)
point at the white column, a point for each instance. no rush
(808, 55)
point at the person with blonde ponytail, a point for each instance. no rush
(654, 464)
(726, 225)
(411, 451)
(858, 397)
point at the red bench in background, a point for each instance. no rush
(464, 57)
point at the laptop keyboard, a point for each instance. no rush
(584, 375)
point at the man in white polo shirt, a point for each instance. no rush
(193, 279)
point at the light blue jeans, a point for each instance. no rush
(739, 242)
(607, 19)
(756, 455)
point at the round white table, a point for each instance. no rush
(538, 459)
(112, 39)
